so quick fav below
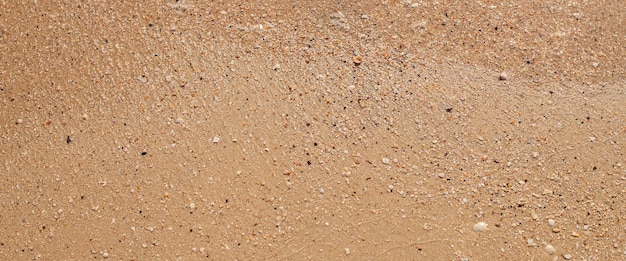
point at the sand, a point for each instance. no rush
(323, 130)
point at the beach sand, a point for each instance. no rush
(321, 130)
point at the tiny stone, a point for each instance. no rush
(276, 67)
(550, 249)
(415, 5)
(105, 255)
(192, 205)
(551, 222)
(386, 161)
(179, 120)
(534, 215)
(322, 191)
(502, 77)
(480, 227)
(567, 256)
(19, 121)
(441, 175)
(216, 139)
(347, 250)
(530, 242)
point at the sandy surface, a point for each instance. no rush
(324, 130)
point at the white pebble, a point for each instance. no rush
(347, 250)
(441, 175)
(276, 67)
(480, 227)
(105, 255)
(503, 76)
(192, 205)
(550, 249)
(415, 5)
(216, 139)
(19, 121)
(567, 256)
(386, 161)
(551, 222)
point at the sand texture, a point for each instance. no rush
(312, 130)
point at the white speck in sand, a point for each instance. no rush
(480, 227)
(216, 139)
(550, 249)
(386, 160)
(503, 77)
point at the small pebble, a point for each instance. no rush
(105, 255)
(441, 175)
(503, 76)
(19, 121)
(386, 161)
(357, 59)
(550, 249)
(567, 256)
(480, 227)
(216, 139)
(347, 250)
(192, 205)
(276, 67)
(551, 222)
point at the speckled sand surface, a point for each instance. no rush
(323, 130)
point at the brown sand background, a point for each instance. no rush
(309, 100)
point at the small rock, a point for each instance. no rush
(105, 255)
(216, 139)
(567, 256)
(550, 249)
(551, 222)
(480, 227)
(441, 175)
(503, 76)
(386, 161)
(347, 250)
(19, 121)
(276, 67)
(358, 59)
(192, 205)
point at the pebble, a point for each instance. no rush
(216, 139)
(276, 67)
(503, 76)
(441, 175)
(550, 249)
(567, 256)
(386, 161)
(480, 227)
(105, 255)
(347, 250)
(551, 222)
(19, 121)
(192, 205)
